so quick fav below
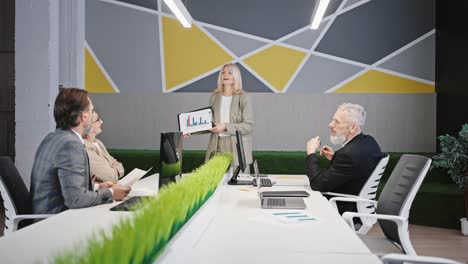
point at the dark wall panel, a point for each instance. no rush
(7, 71)
(451, 66)
(7, 78)
(7, 25)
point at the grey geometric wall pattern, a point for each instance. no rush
(127, 42)
(207, 84)
(352, 2)
(239, 45)
(371, 31)
(151, 4)
(418, 60)
(332, 7)
(270, 19)
(312, 76)
(204, 85)
(306, 38)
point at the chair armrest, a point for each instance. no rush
(348, 217)
(349, 199)
(18, 218)
(340, 194)
(31, 216)
(401, 258)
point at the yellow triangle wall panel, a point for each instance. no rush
(95, 79)
(380, 82)
(276, 64)
(188, 53)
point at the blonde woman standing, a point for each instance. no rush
(232, 110)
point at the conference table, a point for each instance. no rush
(230, 227)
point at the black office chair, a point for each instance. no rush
(393, 206)
(15, 198)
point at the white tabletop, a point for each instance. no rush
(230, 228)
(66, 230)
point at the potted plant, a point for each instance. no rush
(453, 158)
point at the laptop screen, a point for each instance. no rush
(241, 158)
(257, 176)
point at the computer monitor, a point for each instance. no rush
(170, 157)
(242, 162)
(240, 151)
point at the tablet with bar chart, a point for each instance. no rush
(195, 121)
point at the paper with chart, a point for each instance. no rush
(133, 177)
(196, 121)
(290, 217)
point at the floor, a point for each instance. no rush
(438, 242)
(428, 241)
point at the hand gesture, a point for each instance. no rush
(327, 152)
(107, 184)
(312, 145)
(188, 135)
(218, 128)
(120, 191)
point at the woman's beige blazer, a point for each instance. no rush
(103, 167)
(241, 118)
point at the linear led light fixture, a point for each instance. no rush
(319, 11)
(179, 10)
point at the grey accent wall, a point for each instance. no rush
(37, 68)
(399, 122)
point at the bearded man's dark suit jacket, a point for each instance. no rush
(348, 170)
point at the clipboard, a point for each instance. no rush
(195, 121)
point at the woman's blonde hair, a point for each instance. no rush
(237, 87)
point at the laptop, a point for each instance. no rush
(278, 202)
(266, 182)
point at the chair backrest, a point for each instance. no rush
(369, 191)
(399, 191)
(13, 191)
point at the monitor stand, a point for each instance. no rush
(235, 181)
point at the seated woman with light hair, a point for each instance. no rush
(103, 167)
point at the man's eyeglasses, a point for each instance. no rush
(98, 120)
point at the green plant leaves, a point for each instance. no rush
(141, 238)
(453, 156)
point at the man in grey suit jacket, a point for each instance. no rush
(60, 176)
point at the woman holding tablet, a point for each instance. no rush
(232, 110)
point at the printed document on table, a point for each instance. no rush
(195, 121)
(293, 217)
(133, 177)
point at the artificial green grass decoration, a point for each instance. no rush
(140, 239)
(171, 169)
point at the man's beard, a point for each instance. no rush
(339, 139)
